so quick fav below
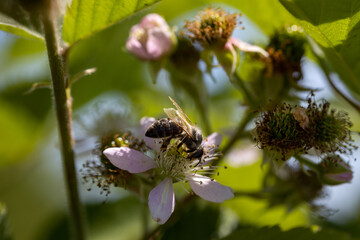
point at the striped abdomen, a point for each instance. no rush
(162, 128)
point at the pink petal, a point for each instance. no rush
(162, 201)
(210, 144)
(246, 47)
(158, 43)
(340, 177)
(136, 48)
(153, 143)
(213, 139)
(129, 159)
(153, 20)
(210, 190)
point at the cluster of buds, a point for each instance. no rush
(287, 131)
(153, 40)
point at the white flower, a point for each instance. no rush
(174, 167)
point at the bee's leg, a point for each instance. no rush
(181, 142)
(165, 143)
(198, 163)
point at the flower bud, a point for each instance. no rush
(151, 39)
(286, 49)
(334, 170)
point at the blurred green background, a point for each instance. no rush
(31, 180)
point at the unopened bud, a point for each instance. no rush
(335, 171)
(151, 39)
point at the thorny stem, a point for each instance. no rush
(249, 115)
(63, 113)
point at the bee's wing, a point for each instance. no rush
(182, 112)
(179, 119)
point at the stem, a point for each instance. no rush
(307, 162)
(351, 102)
(331, 82)
(63, 113)
(239, 132)
(240, 83)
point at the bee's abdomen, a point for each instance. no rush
(163, 128)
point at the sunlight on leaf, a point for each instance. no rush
(334, 25)
(86, 17)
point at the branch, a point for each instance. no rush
(62, 102)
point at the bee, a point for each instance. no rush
(178, 126)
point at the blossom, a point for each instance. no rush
(173, 166)
(151, 39)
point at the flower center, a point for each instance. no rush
(141, 35)
(177, 164)
(174, 162)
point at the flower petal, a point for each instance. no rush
(209, 189)
(213, 139)
(153, 20)
(246, 47)
(162, 201)
(129, 159)
(210, 144)
(159, 43)
(152, 143)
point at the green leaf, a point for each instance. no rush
(16, 20)
(335, 26)
(11, 26)
(86, 17)
(293, 234)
